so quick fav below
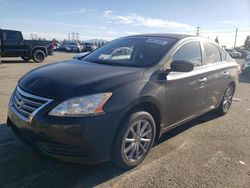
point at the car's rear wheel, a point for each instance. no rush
(38, 56)
(134, 140)
(226, 100)
(25, 58)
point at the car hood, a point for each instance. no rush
(74, 78)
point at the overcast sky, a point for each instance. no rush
(115, 18)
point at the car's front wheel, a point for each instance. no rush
(134, 140)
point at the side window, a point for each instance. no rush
(212, 53)
(223, 54)
(10, 35)
(190, 51)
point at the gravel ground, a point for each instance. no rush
(210, 151)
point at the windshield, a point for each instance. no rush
(132, 51)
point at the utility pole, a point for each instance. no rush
(236, 33)
(198, 30)
(77, 36)
(69, 37)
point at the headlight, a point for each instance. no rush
(90, 104)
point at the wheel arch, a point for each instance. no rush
(231, 83)
(148, 105)
(39, 48)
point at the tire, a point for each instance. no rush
(38, 56)
(226, 100)
(132, 145)
(25, 58)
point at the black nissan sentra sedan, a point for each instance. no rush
(114, 103)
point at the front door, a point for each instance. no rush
(186, 91)
(12, 44)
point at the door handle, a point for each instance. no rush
(202, 80)
(225, 74)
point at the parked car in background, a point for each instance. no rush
(13, 45)
(71, 47)
(244, 53)
(56, 46)
(95, 109)
(62, 46)
(233, 53)
(246, 65)
(74, 47)
(88, 47)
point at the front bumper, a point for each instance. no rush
(85, 140)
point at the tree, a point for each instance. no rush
(247, 42)
(54, 40)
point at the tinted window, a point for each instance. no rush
(212, 53)
(10, 35)
(132, 51)
(191, 52)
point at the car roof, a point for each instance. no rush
(164, 35)
(10, 30)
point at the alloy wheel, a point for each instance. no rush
(137, 140)
(228, 98)
(39, 56)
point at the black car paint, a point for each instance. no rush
(20, 47)
(177, 96)
(96, 79)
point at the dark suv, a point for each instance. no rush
(12, 44)
(116, 105)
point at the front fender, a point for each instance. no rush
(125, 98)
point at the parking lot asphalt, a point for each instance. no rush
(209, 151)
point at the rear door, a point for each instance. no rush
(12, 43)
(217, 73)
(186, 91)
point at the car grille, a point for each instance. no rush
(27, 105)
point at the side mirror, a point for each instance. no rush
(181, 66)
